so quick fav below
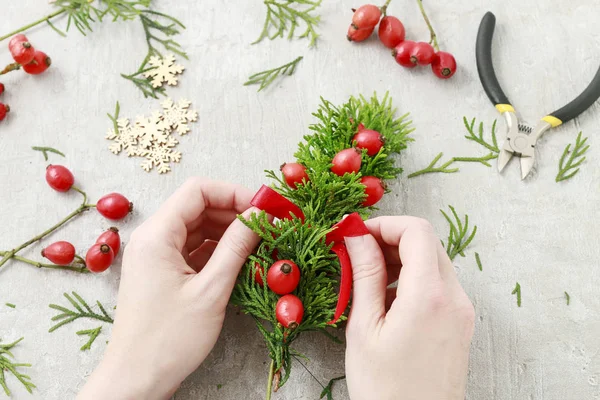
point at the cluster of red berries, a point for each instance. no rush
(113, 206)
(392, 34)
(33, 62)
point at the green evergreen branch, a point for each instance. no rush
(286, 15)
(92, 333)
(569, 167)
(517, 291)
(265, 78)
(46, 150)
(327, 390)
(473, 136)
(81, 310)
(459, 237)
(7, 365)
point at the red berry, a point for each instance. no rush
(99, 257)
(4, 109)
(391, 32)
(358, 35)
(61, 253)
(422, 53)
(112, 238)
(289, 311)
(444, 65)
(22, 51)
(2, 88)
(59, 178)
(374, 190)
(366, 16)
(346, 162)
(40, 63)
(283, 277)
(114, 206)
(402, 53)
(370, 140)
(294, 174)
(259, 271)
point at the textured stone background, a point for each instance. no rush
(537, 232)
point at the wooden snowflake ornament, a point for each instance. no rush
(164, 70)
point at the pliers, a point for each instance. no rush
(522, 138)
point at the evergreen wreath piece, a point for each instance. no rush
(324, 200)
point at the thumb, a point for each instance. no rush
(370, 279)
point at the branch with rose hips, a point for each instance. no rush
(392, 34)
(299, 279)
(62, 254)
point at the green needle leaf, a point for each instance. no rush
(517, 291)
(81, 310)
(265, 78)
(284, 16)
(46, 150)
(7, 365)
(93, 334)
(459, 236)
(568, 165)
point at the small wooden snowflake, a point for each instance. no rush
(163, 70)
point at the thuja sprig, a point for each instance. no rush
(92, 333)
(46, 150)
(460, 235)
(284, 16)
(517, 291)
(265, 78)
(81, 309)
(570, 161)
(475, 135)
(7, 365)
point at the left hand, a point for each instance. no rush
(176, 283)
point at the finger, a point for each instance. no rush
(369, 275)
(393, 272)
(447, 271)
(199, 257)
(220, 272)
(189, 202)
(214, 216)
(209, 231)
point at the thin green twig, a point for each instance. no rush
(81, 310)
(517, 291)
(478, 261)
(7, 365)
(286, 15)
(265, 78)
(568, 297)
(11, 305)
(92, 333)
(46, 150)
(568, 167)
(460, 235)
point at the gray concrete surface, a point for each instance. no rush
(539, 233)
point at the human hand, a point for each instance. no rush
(175, 285)
(409, 343)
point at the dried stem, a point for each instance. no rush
(270, 381)
(81, 268)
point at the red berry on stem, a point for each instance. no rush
(402, 53)
(366, 16)
(283, 276)
(391, 32)
(60, 253)
(4, 109)
(59, 178)
(294, 174)
(114, 206)
(346, 162)
(112, 238)
(358, 35)
(289, 311)
(99, 257)
(370, 140)
(422, 53)
(444, 65)
(2, 88)
(40, 63)
(374, 189)
(258, 274)
(22, 51)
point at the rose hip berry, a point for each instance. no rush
(2, 88)
(59, 178)
(358, 35)
(391, 31)
(99, 257)
(60, 253)
(444, 65)
(289, 311)
(112, 238)
(4, 109)
(40, 63)
(370, 140)
(258, 274)
(294, 174)
(422, 53)
(21, 50)
(346, 162)
(114, 206)
(283, 276)
(374, 189)
(402, 53)
(366, 16)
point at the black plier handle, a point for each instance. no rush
(485, 67)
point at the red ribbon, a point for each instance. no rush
(275, 204)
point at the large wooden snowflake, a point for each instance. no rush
(152, 137)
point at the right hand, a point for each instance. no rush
(410, 342)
